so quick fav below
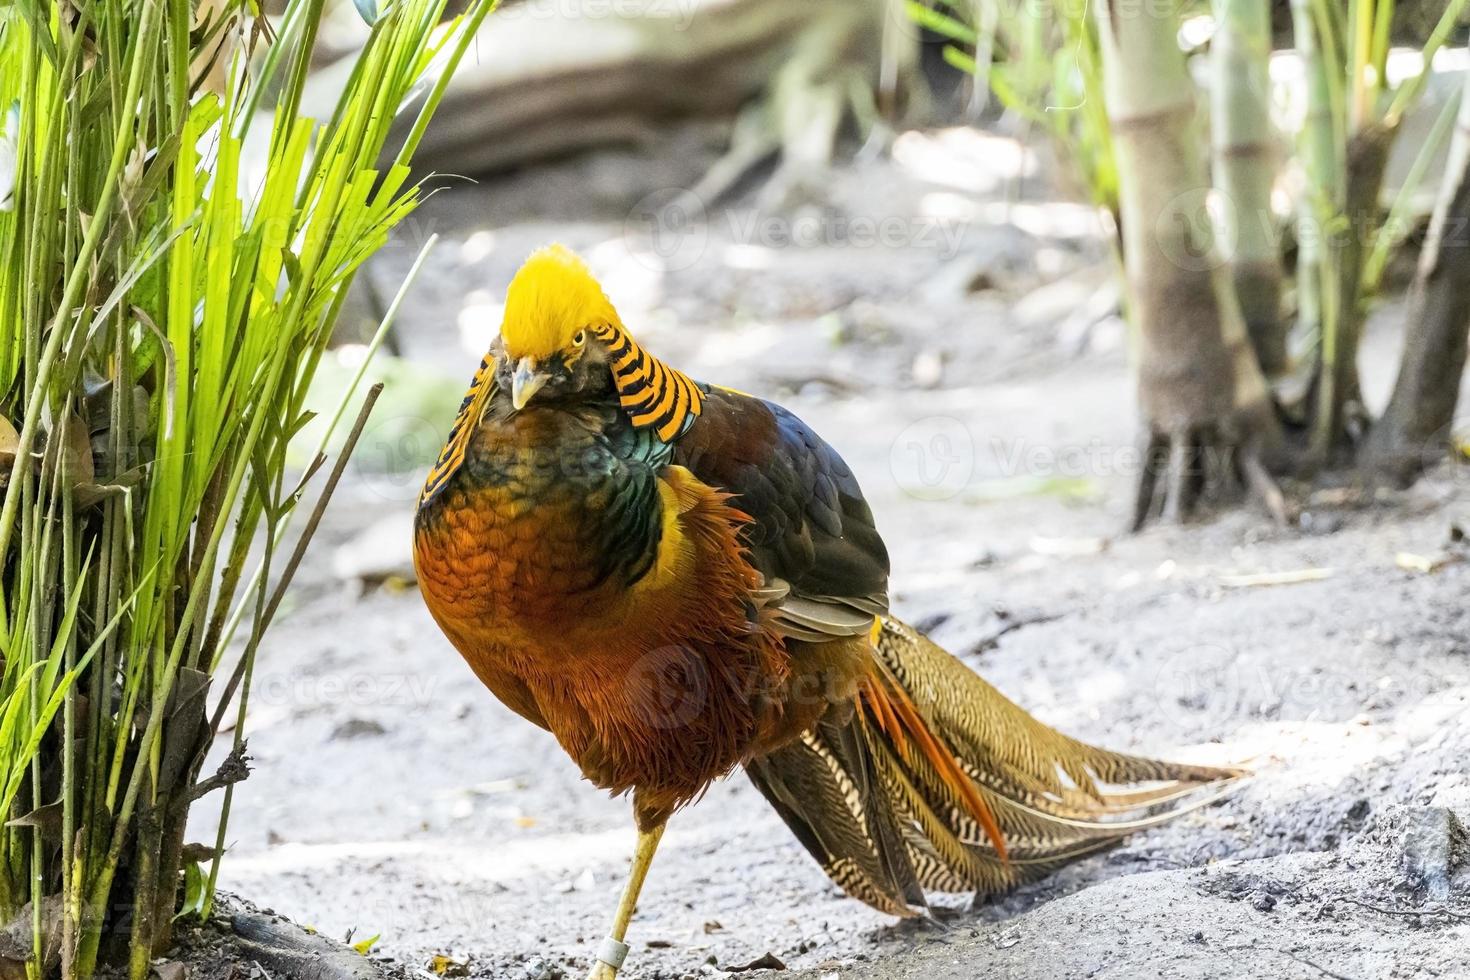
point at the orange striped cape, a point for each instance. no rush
(651, 392)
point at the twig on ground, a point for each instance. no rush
(1265, 486)
(1316, 966)
(1261, 579)
(1414, 913)
(987, 643)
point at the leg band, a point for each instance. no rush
(612, 952)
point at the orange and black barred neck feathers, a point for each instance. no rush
(652, 393)
(470, 410)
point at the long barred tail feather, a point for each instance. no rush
(1007, 801)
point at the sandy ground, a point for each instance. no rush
(968, 368)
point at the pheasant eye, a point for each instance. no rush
(579, 338)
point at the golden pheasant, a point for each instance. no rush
(676, 578)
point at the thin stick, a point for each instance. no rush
(1439, 910)
(300, 551)
(247, 659)
(1317, 966)
(1265, 486)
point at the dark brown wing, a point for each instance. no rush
(812, 535)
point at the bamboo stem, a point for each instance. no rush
(1244, 143)
(1318, 157)
(1415, 428)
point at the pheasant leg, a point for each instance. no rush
(614, 950)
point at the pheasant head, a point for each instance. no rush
(553, 307)
(562, 338)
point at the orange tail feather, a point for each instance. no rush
(898, 718)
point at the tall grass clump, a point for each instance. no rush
(163, 314)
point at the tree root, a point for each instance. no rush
(287, 950)
(790, 75)
(17, 941)
(1187, 470)
(827, 80)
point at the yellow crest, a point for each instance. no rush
(552, 297)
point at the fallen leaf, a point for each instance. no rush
(446, 966)
(9, 441)
(1262, 579)
(365, 946)
(47, 819)
(766, 962)
(79, 465)
(198, 852)
(1425, 564)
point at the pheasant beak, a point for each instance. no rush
(525, 382)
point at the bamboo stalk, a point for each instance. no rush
(1194, 363)
(1339, 409)
(1318, 159)
(1244, 143)
(1415, 427)
(1201, 389)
